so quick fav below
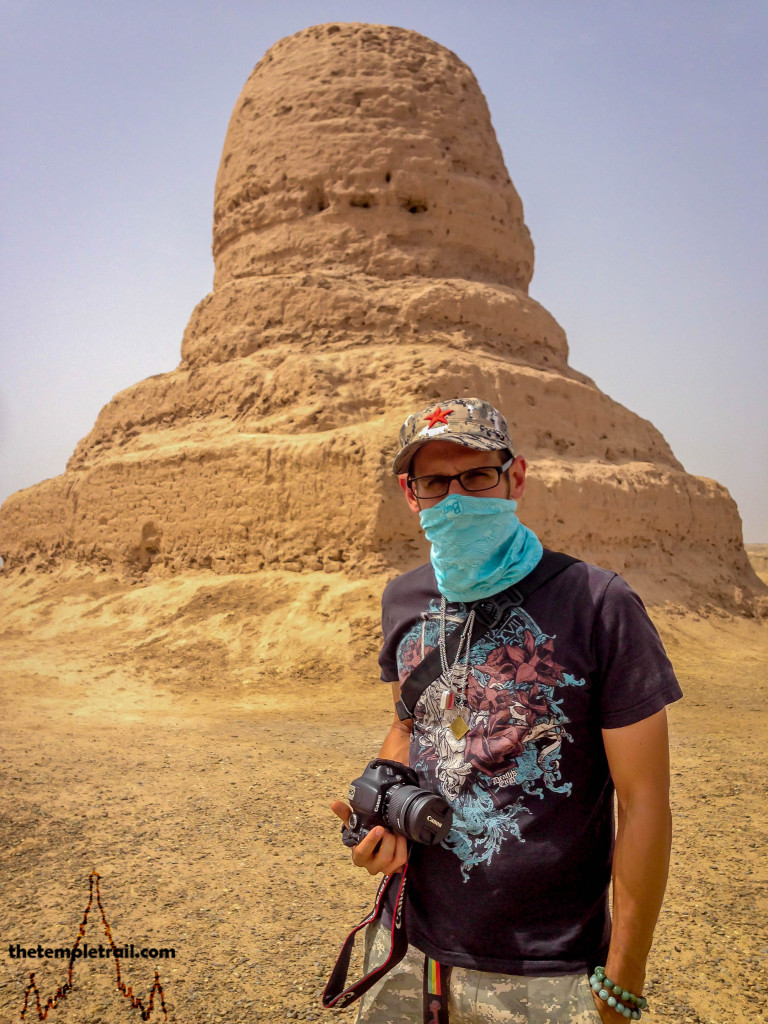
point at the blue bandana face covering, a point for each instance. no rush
(479, 546)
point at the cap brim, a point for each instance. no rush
(404, 456)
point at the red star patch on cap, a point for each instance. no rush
(438, 416)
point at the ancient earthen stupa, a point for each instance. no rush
(371, 255)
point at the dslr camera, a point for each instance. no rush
(388, 794)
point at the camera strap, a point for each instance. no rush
(489, 613)
(336, 992)
(435, 988)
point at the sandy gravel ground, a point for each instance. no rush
(183, 738)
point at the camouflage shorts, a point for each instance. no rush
(476, 997)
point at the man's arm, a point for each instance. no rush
(382, 851)
(398, 739)
(638, 757)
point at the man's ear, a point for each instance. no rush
(410, 497)
(517, 478)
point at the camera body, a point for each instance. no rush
(388, 794)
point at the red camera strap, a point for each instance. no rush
(335, 993)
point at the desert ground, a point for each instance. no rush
(183, 738)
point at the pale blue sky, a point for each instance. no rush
(635, 133)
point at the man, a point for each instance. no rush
(526, 733)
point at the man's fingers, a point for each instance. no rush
(390, 858)
(369, 846)
(378, 852)
(381, 852)
(400, 856)
(341, 810)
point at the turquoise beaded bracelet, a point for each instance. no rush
(619, 999)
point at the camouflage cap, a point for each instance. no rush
(467, 421)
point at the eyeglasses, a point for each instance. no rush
(482, 478)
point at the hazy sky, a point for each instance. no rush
(635, 133)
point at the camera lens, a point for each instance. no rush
(424, 817)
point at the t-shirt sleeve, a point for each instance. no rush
(402, 603)
(390, 634)
(637, 677)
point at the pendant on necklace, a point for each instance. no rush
(459, 727)
(446, 700)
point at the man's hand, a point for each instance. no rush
(381, 852)
(606, 1013)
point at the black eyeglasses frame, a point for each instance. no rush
(410, 480)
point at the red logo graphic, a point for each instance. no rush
(438, 416)
(122, 988)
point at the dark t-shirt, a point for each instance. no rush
(520, 885)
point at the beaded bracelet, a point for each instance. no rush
(623, 1001)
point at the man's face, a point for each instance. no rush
(444, 458)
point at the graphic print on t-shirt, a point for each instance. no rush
(516, 729)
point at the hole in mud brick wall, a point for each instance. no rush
(316, 201)
(148, 549)
(414, 205)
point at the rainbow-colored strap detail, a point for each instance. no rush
(436, 985)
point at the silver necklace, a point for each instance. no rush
(455, 676)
